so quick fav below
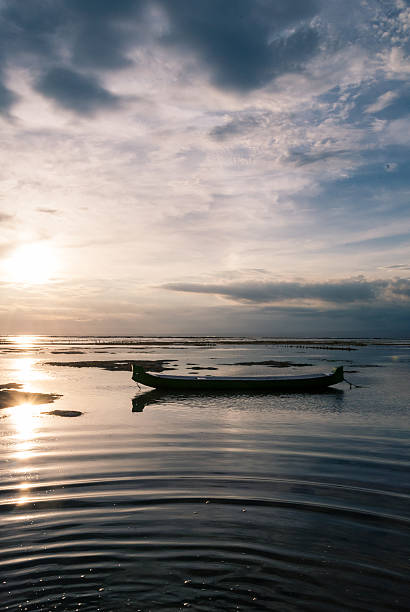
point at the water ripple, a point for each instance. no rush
(214, 504)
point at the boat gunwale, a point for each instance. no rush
(212, 378)
(255, 383)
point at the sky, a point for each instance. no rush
(223, 167)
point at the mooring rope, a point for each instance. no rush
(352, 384)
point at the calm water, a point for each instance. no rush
(146, 502)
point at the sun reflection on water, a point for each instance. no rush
(25, 341)
(25, 372)
(25, 419)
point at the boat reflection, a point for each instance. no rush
(155, 396)
(144, 399)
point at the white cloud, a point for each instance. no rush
(187, 179)
(397, 63)
(382, 102)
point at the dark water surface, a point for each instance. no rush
(113, 498)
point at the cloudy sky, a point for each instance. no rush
(205, 167)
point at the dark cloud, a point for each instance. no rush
(4, 217)
(400, 288)
(374, 319)
(240, 125)
(397, 267)
(91, 30)
(303, 158)
(62, 38)
(100, 45)
(7, 98)
(244, 43)
(333, 292)
(105, 31)
(50, 211)
(72, 90)
(351, 307)
(30, 27)
(241, 44)
(103, 9)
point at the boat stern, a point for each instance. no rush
(137, 372)
(338, 375)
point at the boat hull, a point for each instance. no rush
(215, 384)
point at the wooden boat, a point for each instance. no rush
(235, 384)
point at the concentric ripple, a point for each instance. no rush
(281, 503)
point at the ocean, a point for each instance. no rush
(114, 497)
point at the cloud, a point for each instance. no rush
(384, 100)
(397, 267)
(333, 293)
(105, 31)
(302, 158)
(5, 217)
(238, 44)
(400, 288)
(74, 91)
(6, 248)
(50, 211)
(7, 98)
(29, 27)
(240, 124)
(63, 38)
(244, 44)
(270, 292)
(256, 133)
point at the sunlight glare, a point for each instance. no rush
(26, 373)
(33, 264)
(24, 417)
(25, 420)
(24, 341)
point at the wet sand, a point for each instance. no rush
(116, 365)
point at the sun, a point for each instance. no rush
(34, 263)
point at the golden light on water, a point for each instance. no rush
(24, 489)
(24, 341)
(24, 372)
(31, 264)
(24, 416)
(25, 420)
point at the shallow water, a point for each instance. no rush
(126, 500)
